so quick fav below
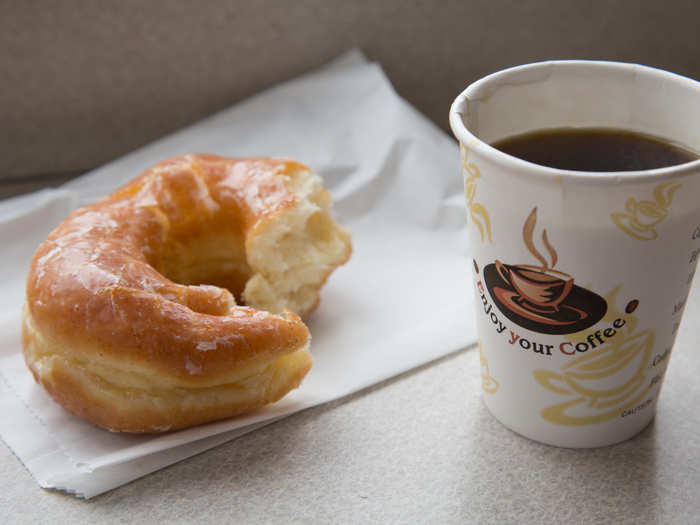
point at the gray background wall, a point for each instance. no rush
(83, 82)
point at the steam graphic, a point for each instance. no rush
(477, 211)
(488, 383)
(528, 235)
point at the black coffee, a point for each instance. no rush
(595, 149)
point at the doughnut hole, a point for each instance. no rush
(209, 258)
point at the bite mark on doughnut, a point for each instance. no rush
(294, 255)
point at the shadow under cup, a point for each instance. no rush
(594, 381)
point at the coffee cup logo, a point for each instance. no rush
(541, 298)
(641, 217)
(598, 386)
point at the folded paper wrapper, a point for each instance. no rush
(404, 299)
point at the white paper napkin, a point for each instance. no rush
(403, 299)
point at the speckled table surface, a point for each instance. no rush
(420, 448)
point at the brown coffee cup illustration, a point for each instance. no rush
(536, 286)
(540, 298)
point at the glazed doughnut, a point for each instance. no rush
(131, 318)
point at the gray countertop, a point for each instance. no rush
(418, 448)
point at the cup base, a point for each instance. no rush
(581, 437)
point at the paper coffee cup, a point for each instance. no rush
(580, 277)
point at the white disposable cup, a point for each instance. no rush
(580, 277)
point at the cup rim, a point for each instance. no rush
(474, 143)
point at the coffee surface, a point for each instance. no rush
(594, 149)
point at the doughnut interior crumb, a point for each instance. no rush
(293, 256)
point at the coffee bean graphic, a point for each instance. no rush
(632, 306)
(476, 266)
